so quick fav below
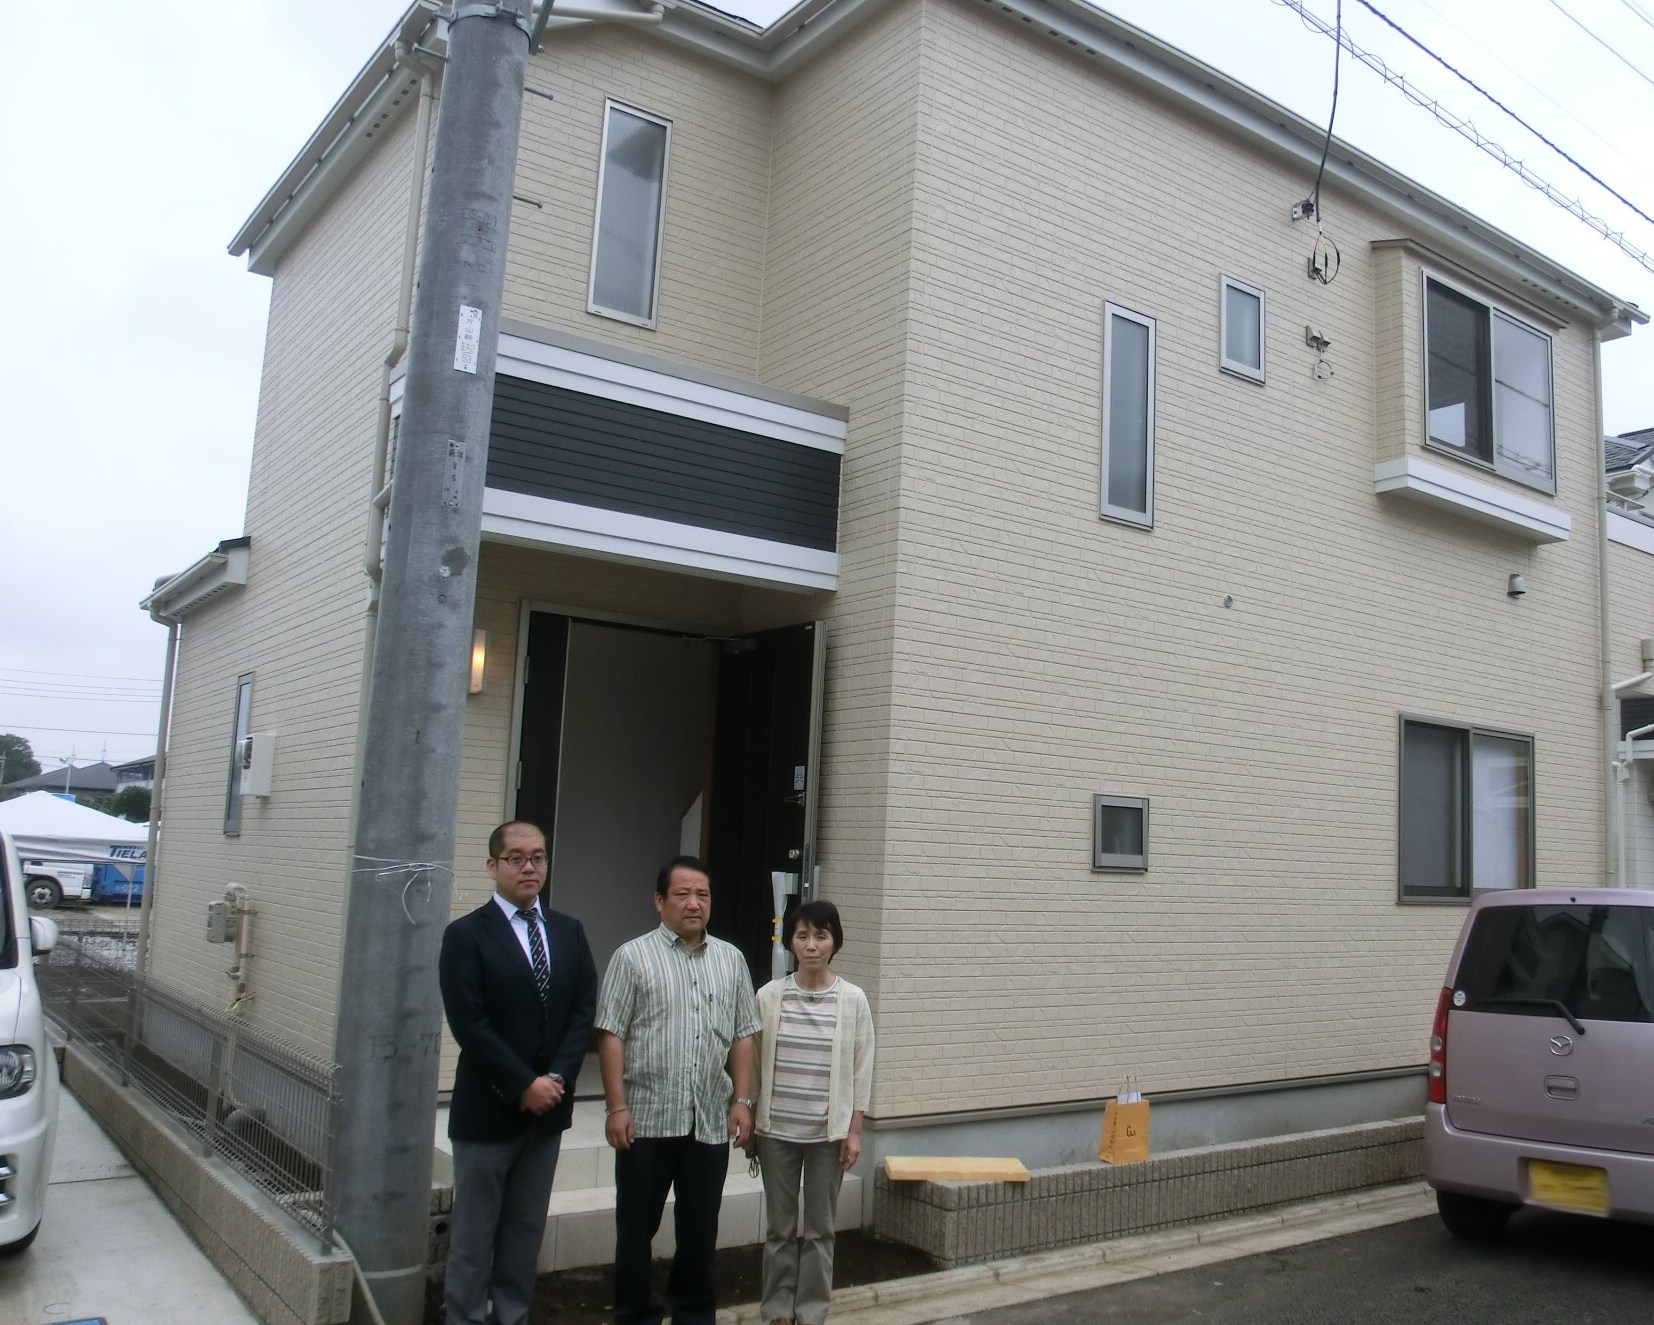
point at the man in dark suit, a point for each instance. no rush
(520, 988)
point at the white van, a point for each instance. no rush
(28, 1068)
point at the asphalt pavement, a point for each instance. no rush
(1548, 1268)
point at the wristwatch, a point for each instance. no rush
(742, 1099)
(557, 1077)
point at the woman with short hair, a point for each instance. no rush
(815, 1061)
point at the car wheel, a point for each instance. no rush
(21, 1245)
(1473, 1218)
(44, 894)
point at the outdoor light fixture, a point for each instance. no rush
(479, 659)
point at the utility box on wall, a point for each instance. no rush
(258, 753)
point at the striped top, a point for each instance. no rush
(803, 1061)
(678, 1010)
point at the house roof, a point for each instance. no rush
(86, 777)
(1627, 449)
(388, 82)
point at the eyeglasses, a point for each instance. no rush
(517, 860)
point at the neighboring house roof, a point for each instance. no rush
(87, 777)
(146, 764)
(1629, 448)
(387, 84)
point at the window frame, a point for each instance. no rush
(1118, 862)
(1466, 891)
(241, 727)
(1491, 310)
(1226, 363)
(610, 106)
(1143, 519)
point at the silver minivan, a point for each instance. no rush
(1542, 1060)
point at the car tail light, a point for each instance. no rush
(1438, 1050)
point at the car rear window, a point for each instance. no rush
(1596, 961)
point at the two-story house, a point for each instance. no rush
(931, 464)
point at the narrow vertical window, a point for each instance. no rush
(1242, 314)
(631, 201)
(1119, 833)
(1128, 416)
(240, 728)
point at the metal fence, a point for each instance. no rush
(268, 1108)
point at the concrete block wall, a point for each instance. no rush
(961, 1223)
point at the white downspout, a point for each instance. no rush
(1622, 775)
(157, 790)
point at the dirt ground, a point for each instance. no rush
(582, 1297)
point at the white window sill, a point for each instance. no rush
(1439, 486)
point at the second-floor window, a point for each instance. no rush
(1128, 415)
(631, 202)
(1488, 386)
(1242, 316)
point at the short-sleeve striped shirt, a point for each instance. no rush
(678, 1009)
(803, 1062)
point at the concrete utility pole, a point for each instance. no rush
(401, 885)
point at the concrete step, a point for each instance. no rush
(580, 1225)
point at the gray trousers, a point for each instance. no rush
(501, 1191)
(801, 1185)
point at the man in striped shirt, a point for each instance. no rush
(675, 1022)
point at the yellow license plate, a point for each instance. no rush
(1568, 1187)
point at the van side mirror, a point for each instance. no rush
(43, 931)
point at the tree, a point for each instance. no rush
(17, 759)
(131, 803)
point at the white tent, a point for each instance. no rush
(42, 824)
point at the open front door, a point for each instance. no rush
(766, 760)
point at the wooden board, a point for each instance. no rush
(953, 1168)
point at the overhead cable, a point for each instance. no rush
(1465, 129)
(1471, 83)
(1600, 42)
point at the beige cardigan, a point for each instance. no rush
(849, 1079)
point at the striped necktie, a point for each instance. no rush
(537, 951)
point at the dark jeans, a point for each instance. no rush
(694, 1171)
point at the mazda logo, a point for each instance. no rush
(1562, 1045)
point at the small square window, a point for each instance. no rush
(1242, 319)
(1119, 833)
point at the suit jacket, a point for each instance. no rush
(506, 1035)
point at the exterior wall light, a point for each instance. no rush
(479, 660)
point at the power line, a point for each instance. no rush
(1465, 129)
(1639, 11)
(77, 676)
(1332, 115)
(1600, 42)
(9, 693)
(1471, 83)
(19, 728)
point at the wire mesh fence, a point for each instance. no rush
(267, 1107)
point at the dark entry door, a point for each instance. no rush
(766, 757)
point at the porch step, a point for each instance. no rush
(580, 1224)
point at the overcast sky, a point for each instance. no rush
(129, 356)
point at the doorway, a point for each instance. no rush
(639, 744)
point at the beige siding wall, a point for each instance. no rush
(836, 310)
(711, 272)
(297, 626)
(1043, 655)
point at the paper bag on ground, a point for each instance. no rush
(1125, 1138)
